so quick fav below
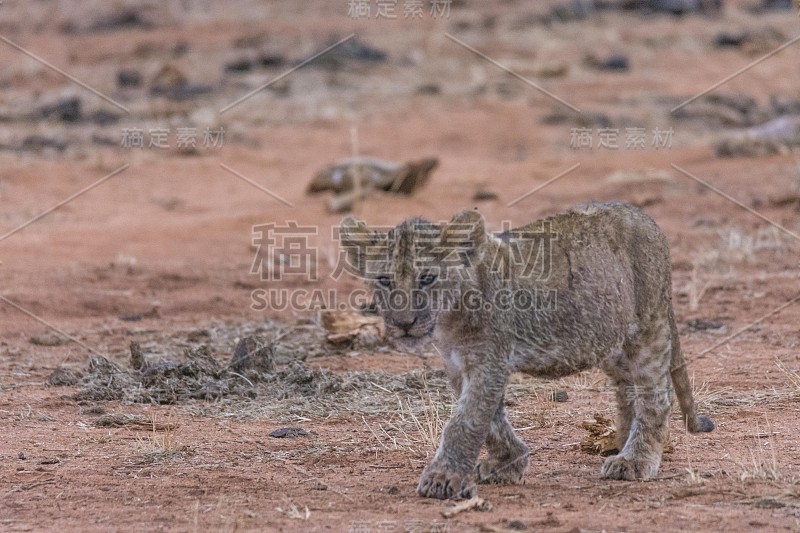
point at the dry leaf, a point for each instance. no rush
(348, 328)
(475, 503)
(602, 436)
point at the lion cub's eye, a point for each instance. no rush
(427, 280)
(384, 281)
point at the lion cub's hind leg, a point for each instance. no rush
(508, 455)
(644, 397)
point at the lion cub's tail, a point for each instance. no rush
(680, 378)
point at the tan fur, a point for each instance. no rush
(598, 287)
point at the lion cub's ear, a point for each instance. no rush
(355, 238)
(464, 237)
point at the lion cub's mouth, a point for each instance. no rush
(405, 339)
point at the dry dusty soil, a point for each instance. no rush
(161, 253)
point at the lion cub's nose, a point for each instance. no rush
(405, 324)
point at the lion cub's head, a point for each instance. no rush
(416, 270)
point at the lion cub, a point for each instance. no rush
(588, 288)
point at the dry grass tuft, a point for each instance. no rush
(792, 377)
(161, 444)
(693, 477)
(418, 423)
(294, 512)
(762, 464)
(707, 399)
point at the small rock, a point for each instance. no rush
(48, 339)
(560, 396)
(429, 89)
(63, 377)
(352, 50)
(289, 433)
(360, 51)
(730, 40)
(482, 195)
(517, 525)
(104, 118)
(698, 324)
(104, 140)
(66, 110)
(613, 63)
(271, 60)
(22, 456)
(37, 143)
(121, 19)
(51, 461)
(129, 78)
(137, 357)
(198, 335)
(392, 489)
(239, 65)
(769, 503)
(251, 355)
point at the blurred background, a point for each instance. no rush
(226, 114)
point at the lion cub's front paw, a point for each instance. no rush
(508, 472)
(438, 482)
(619, 467)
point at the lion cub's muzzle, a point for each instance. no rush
(408, 330)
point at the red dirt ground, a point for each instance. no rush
(173, 231)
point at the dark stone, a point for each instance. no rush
(63, 377)
(560, 396)
(129, 78)
(698, 324)
(104, 118)
(484, 196)
(67, 110)
(289, 433)
(429, 89)
(360, 51)
(612, 63)
(730, 40)
(128, 18)
(37, 143)
(239, 65)
(249, 355)
(137, 357)
(102, 140)
(271, 60)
